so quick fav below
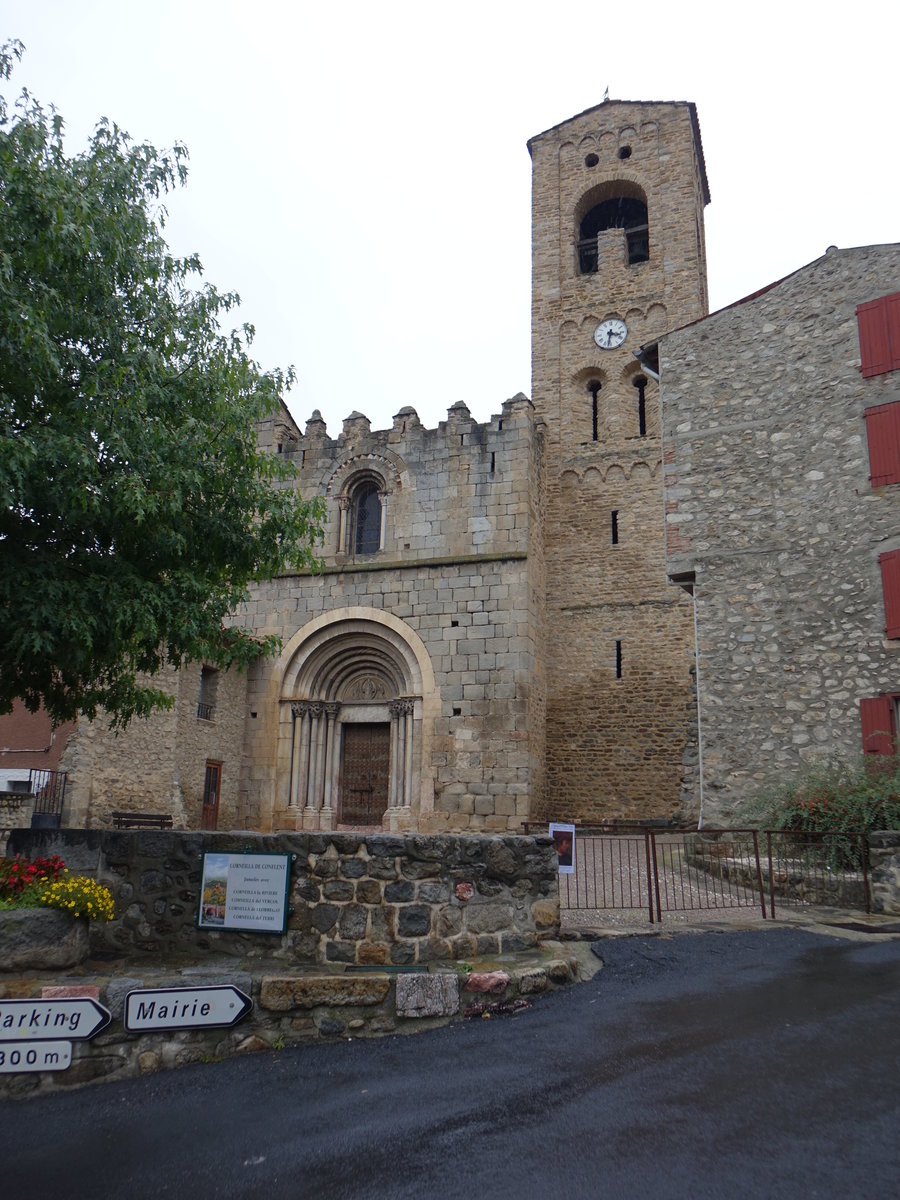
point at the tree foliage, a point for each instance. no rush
(136, 505)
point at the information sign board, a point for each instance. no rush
(185, 1008)
(245, 891)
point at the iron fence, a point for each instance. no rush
(678, 870)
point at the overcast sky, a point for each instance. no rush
(359, 171)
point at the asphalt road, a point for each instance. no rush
(725, 1065)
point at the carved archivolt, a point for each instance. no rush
(389, 467)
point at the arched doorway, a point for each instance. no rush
(352, 724)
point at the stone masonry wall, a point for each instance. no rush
(377, 899)
(768, 500)
(377, 943)
(158, 764)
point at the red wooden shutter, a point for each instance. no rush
(883, 431)
(876, 714)
(879, 335)
(890, 582)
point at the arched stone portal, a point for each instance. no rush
(355, 724)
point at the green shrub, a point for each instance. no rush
(835, 797)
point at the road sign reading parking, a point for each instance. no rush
(34, 1056)
(185, 1008)
(77, 1017)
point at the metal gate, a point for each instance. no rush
(678, 871)
(365, 771)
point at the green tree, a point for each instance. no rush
(136, 504)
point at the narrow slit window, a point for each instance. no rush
(640, 384)
(614, 522)
(618, 659)
(594, 388)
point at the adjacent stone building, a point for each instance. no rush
(781, 435)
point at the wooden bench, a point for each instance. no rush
(138, 820)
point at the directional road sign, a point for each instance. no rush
(34, 1056)
(185, 1008)
(77, 1017)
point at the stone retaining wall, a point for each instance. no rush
(287, 1009)
(373, 945)
(884, 871)
(397, 900)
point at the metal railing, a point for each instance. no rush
(48, 789)
(678, 870)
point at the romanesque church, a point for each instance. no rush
(508, 625)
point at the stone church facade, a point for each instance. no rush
(503, 627)
(491, 639)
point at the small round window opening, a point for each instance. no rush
(625, 152)
(591, 160)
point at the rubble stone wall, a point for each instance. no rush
(397, 900)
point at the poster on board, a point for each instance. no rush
(245, 891)
(564, 836)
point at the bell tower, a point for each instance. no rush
(618, 258)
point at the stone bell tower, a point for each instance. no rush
(618, 258)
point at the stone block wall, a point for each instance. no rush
(458, 490)
(363, 900)
(769, 504)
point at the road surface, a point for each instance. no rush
(718, 1064)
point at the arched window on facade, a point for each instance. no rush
(366, 520)
(619, 211)
(362, 516)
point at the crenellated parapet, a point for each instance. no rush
(410, 493)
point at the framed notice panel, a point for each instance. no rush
(245, 891)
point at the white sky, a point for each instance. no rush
(359, 172)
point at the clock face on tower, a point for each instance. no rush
(610, 333)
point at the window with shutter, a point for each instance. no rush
(883, 433)
(879, 724)
(879, 335)
(890, 583)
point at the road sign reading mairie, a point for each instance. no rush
(64, 1018)
(185, 1008)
